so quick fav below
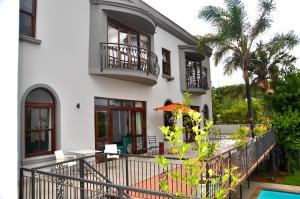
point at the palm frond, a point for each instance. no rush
(264, 20)
(231, 64)
(281, 42)
(213, 14)
(236, 25)
(220, 52)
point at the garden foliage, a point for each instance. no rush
(195, 171)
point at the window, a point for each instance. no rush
(205, 114)
(39, 123)
(27, 17)
(196, 74)
(204, 78)
(166, 62)
(168, 116)
(193, 72)
(121, 34)
(188, 125)
(127, 48)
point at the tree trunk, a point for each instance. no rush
(288, 162)
(249, 103)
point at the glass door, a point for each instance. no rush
(103, 133)
(139, 132)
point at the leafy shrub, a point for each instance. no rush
(260, 129)
(240, 136)
(194, 167)
(287, 129)
(230, 107)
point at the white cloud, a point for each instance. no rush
(185, 14)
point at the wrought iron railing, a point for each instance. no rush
(126, 57)
(136, 176)
(193, 82)
(246, 157)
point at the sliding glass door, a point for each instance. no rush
(122, 122)
(139, 132)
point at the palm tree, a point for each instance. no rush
(234, 38)
(270, 59)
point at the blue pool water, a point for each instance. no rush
(268, 194)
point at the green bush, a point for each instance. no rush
(287, 128)
(260, 129)
(230, 106)
(240, 136)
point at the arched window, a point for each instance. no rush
(39, 123)
(168, 116)
(205, 114)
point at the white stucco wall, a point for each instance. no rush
(9, 172)
(61, 62)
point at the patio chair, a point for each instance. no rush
(60, 157)
(152, 143)
(112, 148)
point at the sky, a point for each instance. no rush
(185, 14)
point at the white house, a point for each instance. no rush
(92, 71)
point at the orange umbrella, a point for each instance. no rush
(174, 106)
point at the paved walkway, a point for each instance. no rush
(256, 187)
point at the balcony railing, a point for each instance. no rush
(128, 58)
(193, 82)
(132, 176)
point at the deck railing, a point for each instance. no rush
(136, 176)
(129, 58)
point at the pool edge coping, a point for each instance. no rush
(280, 189)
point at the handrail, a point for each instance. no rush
(245, 157)
(255, 139)
(151, 156)
(128, 57)
(105, 184)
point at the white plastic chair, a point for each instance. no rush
(111, 148)
(60, 157)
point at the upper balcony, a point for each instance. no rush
(125, 31)
(194, 70)
(130, 63)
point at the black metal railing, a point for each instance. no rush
(193, 82)
(246, 157)
(136, 176)
(126, 57)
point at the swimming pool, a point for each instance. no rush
(269, 194)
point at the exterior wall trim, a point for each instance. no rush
(133, 7)
(29, 39)
(22, 125)
(158, 18)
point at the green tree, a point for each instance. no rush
(270, 59)
(229, 105)
(287, 126)
(235, 37)
(195, 172)
(284, 104)
(286, 93)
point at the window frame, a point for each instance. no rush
(167, 62)
(33, 18)
(41, 105)
(118, 25)
(205, 112)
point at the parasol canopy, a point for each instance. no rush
(172, 107)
